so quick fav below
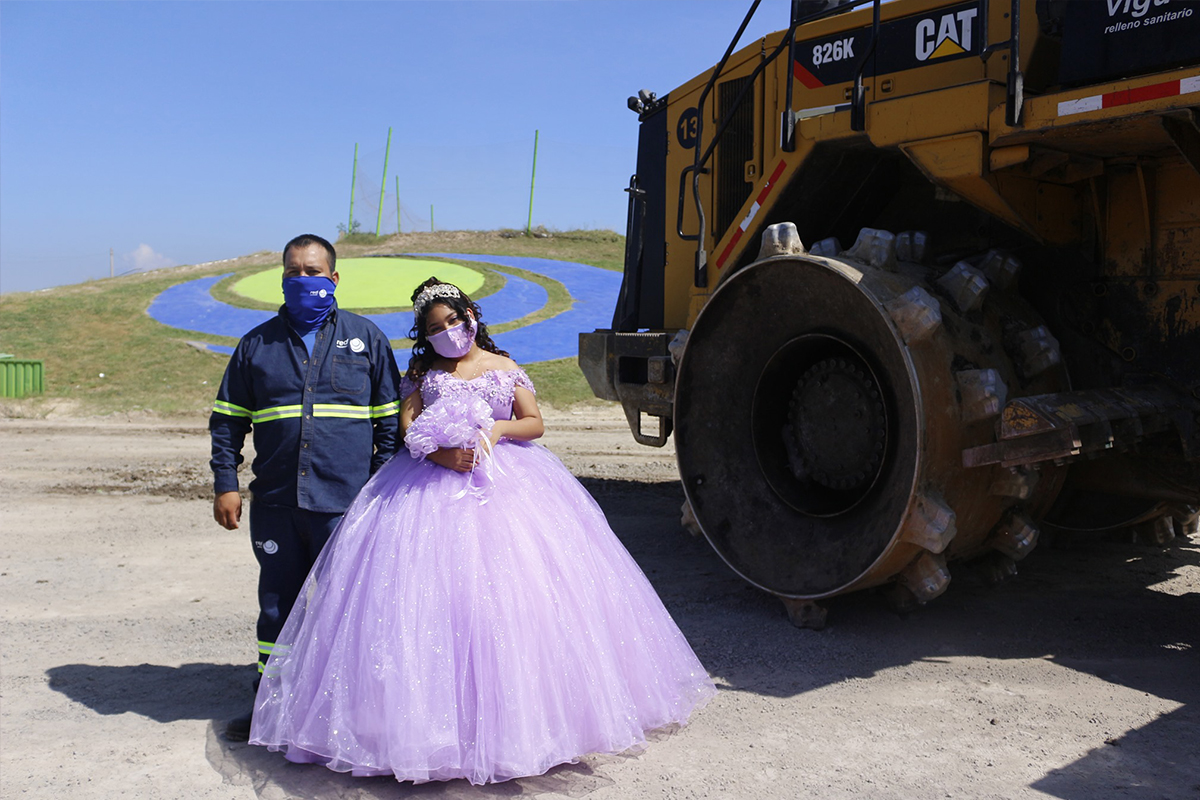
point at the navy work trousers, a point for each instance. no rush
(286, 543)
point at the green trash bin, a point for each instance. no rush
(20, 377)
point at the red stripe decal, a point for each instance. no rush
(766, 190)
(1168, 89)
(762, 197)
(1114, 99)
(809, 80)
(1141, 94)
(737, 234)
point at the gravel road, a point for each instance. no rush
(127, 639)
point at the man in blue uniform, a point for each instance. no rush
(319, 388)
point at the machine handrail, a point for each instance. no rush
(697, 168)
(1015, 99)
(858, 107)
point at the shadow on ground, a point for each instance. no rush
(274, 778)
(163, 694)
(1149, 762)
(1089, 608)
(218, 692)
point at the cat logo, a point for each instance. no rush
(948, 35)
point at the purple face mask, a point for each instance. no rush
(454, 342)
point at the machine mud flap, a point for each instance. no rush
(636, 370)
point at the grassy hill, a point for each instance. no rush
(103, 354)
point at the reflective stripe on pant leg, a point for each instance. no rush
(264, 652)
(281, 548)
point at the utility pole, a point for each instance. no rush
(110, 262)
(397, 204)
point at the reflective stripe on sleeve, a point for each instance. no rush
(231, 410)
(386, 410)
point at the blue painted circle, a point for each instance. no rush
(190, 306)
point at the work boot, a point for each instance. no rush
(238, 729)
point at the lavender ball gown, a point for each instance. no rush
(484, 626)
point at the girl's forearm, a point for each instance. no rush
(521, 430)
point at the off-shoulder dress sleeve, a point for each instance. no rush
(520, 378)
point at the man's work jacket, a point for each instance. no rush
(322, 424)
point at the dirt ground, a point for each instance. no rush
(127, 640)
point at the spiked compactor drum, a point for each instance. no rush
(823, 405)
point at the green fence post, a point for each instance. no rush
(353, 179)
(532, 178)
(383, 183)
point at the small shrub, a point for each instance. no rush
(359, 238)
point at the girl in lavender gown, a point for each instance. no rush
(473, 616)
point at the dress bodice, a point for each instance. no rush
(495, 387)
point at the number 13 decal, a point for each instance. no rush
(688, 128)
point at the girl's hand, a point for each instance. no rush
(455, 458)
(487, 442)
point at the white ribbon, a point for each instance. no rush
(490, 468)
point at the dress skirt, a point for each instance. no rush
(484, 626)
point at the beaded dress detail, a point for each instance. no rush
(485, 625)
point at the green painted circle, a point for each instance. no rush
(368, 282)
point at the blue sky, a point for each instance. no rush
(183, 132)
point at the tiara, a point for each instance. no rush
(431, 293)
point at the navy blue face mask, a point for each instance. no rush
(308, 299)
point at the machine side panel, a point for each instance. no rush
(642, 292)
(1120, 39)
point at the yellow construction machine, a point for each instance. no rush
(914, 282)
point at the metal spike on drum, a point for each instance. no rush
(997, 567)
(926, 577)
(930, 524)
(1039, 350)
(780, 239)
(1001, 269)
(805, 613)
(912, 246)
(1015, 536)
(1157, 531)
(983, 393)
(687, 519)
(875, 247)
(916, 313)
(826, 248)
(1187, 522)
(966, 285)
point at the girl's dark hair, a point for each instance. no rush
(423, 354)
